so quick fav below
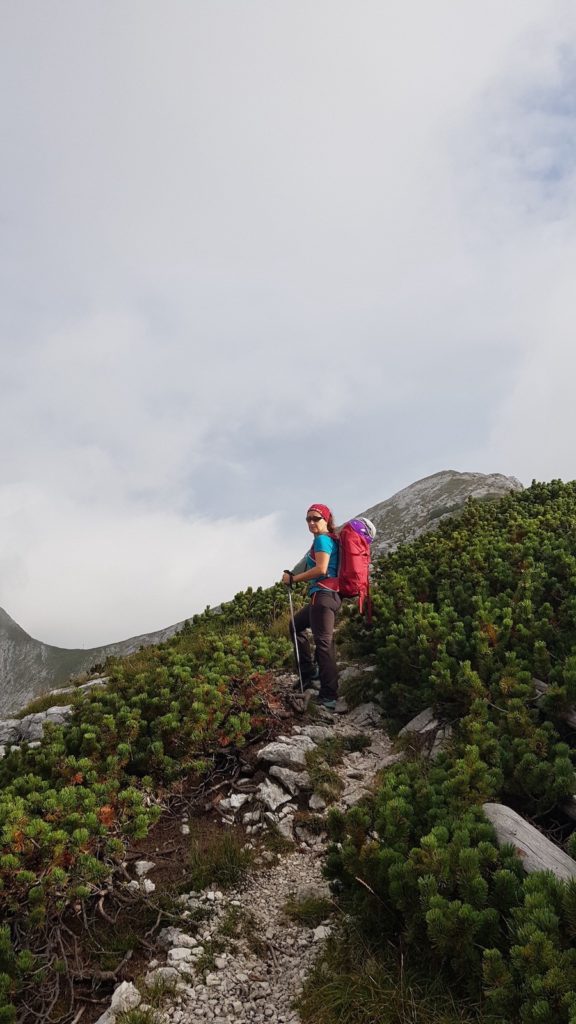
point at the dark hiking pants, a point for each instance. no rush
(319, 616)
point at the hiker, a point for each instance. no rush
(320, 563)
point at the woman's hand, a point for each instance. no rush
(287, 578)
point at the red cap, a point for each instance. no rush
(326, 513)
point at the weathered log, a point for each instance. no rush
(536, 852)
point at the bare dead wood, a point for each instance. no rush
(103, 913)
(536, 852)
(87, 975)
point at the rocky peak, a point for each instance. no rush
(426, 503)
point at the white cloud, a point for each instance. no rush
(92, 578)
(256, 252)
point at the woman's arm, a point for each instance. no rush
(320, 569)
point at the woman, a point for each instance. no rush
(319, 615)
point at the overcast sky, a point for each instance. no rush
(256, 254)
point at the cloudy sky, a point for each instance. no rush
(258, 253)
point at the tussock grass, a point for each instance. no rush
(137, 1016)
(273, 840)
(352, 984)
(157, 992)
(218, 859)
(235, 920)
(314, 823)
(207, 962)
(308, 910)
(281, 625)
(325, 781)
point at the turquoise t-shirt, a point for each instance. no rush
(323, 542)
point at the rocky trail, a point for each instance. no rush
(246, 960)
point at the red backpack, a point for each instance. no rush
(353, 579)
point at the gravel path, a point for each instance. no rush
(246, 961)
(261, 972)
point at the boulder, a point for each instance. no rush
(106, 1018)
(289, 754)
(102, 681)
(285, 827)
(316, 732)
(126, 997)
(10, 730)
(32, 726)
(234, 802)
(355, 672)
(292, 781)
(316, 803)
(272, 796)
(365, 715)
(169, 974)
(178, 954)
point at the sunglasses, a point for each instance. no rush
(313, 519)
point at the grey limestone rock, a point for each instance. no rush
(434, 734)
(316, 803)
(317, 732)
(233, 802)
(101, 681)
(126, 997)
(143, 867)
(365, 715)
(106, 1018)
(10, 730)
(178, 954)
(424, 722)
(288, 754)
(32, 726)
(292, 781)
(286, 827)
(162, 974)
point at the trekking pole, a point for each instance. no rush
(294, 635)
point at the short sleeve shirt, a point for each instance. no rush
(323, 542)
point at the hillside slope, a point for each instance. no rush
(29, 667)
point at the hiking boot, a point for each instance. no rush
(307, 684)
(325, 702)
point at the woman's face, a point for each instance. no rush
(316, 522)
